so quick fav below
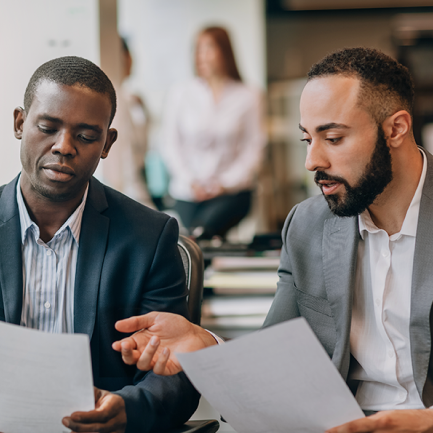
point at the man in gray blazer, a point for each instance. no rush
(355, 262)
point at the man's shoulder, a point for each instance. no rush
(10, 184)
(126, 207)
(307, 219)
(312, 210)
(8, 202)
(116, 197)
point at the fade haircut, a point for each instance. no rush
(386, 86)
(71, 71)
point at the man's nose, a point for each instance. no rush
(64, 144)
(316, 157)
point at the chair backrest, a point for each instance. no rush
(193, 264)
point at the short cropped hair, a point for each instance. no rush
(386, 85)
(71, 71)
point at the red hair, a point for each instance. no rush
(222, 40)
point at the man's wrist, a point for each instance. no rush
(218, 339)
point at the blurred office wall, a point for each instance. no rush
(31, 33)
(161, 36)
(299, 40)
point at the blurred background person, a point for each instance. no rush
(214, 140)
(125, 172)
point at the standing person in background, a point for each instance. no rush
(125, 170)
(214, 140)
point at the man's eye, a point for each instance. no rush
(307, 140)
(333, 140)
(86, 139)
(46, 130)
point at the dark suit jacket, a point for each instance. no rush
(128, 264)
(317, 271)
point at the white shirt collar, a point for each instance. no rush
(73, 222)
(410, 222)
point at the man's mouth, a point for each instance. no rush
(58, 172)
(329, 186)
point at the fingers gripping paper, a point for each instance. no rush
(43, 377)
(276, 380)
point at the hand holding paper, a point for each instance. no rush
(395, 421)
(43, 378)
(109, 415)
(276, 380)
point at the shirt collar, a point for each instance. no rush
(73, 222)
(410, 222)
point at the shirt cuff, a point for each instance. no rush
(219, 340)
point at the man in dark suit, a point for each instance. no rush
(355, 262)
(76, 256)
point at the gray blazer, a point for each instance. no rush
(317, 272)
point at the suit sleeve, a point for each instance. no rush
(157, 403)
(284, 307)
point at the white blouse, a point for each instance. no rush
(213, 143)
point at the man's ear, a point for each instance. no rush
(397, 127)
(19, 118)
(111, 138)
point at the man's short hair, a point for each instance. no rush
(71, 71)
(386, 85)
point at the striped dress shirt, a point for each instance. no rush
(49, 271)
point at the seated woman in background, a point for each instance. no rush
(214, 140)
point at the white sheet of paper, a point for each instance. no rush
(43, 377)
(276, 380)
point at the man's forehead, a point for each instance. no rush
(329, 99)
(74, 105)
(332, 86)
(50, 94)
(51, 88)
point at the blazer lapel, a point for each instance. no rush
(91, 252)
(422, 291)
(339, 251)
(11, 273)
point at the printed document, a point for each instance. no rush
(276, 380)
(43, 378)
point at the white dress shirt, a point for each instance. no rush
(212, 143)
(379, 338)
(49, 271)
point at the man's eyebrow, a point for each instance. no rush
(95, 128)
(327, 126)
(49, 118)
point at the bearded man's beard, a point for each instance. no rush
(377, 175)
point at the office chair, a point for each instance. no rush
(192, 259)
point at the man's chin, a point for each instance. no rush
(334, 203)
(56, 195)
(342, 208)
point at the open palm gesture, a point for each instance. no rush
(158, 336)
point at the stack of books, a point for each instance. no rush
(243, 289)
